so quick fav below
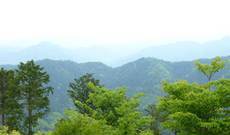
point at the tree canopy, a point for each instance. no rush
(200, 109)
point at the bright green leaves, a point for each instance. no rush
(184, 122)
(118, 110)
(190, 108)
(210, 69)
(108, 108)
(5, 131)
(81, 124)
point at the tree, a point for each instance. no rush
(210, 69)
(155, 118)
(79, 90)
(5, 131)
(117, 110)
(3, 94)
(81, 124)
(191, 108)
(33, 87)
(10, 107)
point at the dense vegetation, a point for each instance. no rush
(200, 109)
(184, 108)
(24, 97)
(144, 75)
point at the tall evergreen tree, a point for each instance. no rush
(3, 95)
(35, 92)
(10, 107)
(80, 91)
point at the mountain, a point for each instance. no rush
(42, 50)
(143, 75)
(186, 51)
(117, 56)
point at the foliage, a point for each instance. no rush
(152, 111)
(187, 108)
(10, 107)
(81, 124)
(144, 75)
(191, 108)
(34, 93)
(4, 131)
(116, 109)
(80, 91)
(48, 122)
(210, 69)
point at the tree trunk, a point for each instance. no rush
(30, 132)
(3, 101)
(29, 123)
(2, 109)
(3, 119)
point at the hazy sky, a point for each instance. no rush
(114, 22)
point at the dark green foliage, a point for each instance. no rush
(79, 91)
(10, 107)
(34, 93)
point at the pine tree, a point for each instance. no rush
(79, 90)
(11, 109)
(3, 95)
(33, 82)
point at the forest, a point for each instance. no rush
(184, 107)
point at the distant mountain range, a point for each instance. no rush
(143, 75)
(112, 56)
(187, 51)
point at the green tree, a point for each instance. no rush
(35, 93)
(117, 110)
(10, 107)
(5, 131)
(210, 69)
(79, 90)
(81, 124)
(155, 118)
(191, 108)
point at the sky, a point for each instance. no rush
(75, 23)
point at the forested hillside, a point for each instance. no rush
(92, 103)
(144, 75)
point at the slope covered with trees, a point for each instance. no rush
(184, 108)
(144, 75)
